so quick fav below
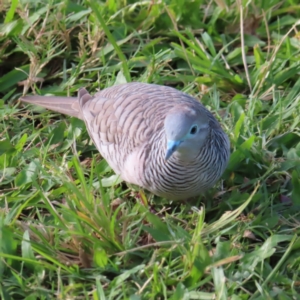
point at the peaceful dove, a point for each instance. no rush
(153, 136)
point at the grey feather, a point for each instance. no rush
(153, 136)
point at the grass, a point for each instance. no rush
(70, 230)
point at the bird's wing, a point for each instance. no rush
(123, 119)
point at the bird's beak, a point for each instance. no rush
(171, 148)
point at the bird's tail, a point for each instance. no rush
(65, 105)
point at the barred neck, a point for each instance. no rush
(177, 179)
(215, 154)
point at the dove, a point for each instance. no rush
(153, 136)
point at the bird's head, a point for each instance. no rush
(186, 131)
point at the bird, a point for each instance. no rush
(153, 136)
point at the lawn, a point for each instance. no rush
(69, 229)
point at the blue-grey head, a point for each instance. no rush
(186, 131)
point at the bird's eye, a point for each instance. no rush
(193, 129)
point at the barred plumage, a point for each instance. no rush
(153, 136)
